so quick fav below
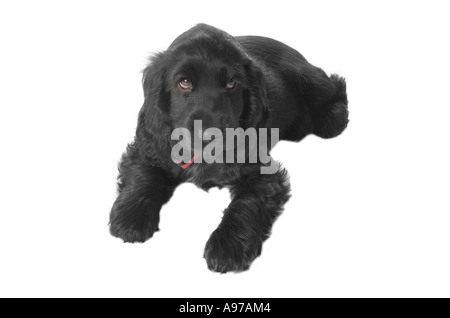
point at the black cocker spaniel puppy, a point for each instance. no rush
(226, 82)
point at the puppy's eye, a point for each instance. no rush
(231, 84)
(185, 84)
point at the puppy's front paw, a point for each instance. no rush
(131, 233)
(131, 227)
(231, 252)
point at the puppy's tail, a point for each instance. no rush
(332, 118)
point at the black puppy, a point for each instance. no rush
(227, 82)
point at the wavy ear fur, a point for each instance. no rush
(154, 126)
(256, 112)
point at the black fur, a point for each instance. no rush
(275, 88)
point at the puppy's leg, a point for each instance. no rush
(142, 192)
(329, 106)
(323, 109)
(326, 98)
(257, 200)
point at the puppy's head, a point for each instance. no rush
(206, 75)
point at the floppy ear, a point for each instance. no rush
(255, 112)
(154, 125)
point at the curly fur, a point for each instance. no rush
(276, 88)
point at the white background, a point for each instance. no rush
(369, 214)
